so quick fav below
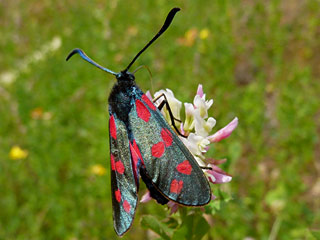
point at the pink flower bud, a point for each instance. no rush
(146, 197)
(224, 132)
(200, 90)
(216, 175)
(173, 207)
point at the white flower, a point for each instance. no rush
(175, 104)
(203, 127)
(189, 121)
(203, 105)
(197, 126)
(148, 94)
(197, 145)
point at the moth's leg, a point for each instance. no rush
(206, 168)
(165, 103)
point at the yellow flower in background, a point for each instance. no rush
(204, 34)
(17, 153)
(189, 37)
(98, 169)
(36, 113)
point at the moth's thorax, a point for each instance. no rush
(123, 95)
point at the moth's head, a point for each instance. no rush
(125, 76)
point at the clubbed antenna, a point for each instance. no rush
(85, 57)
(166, 24)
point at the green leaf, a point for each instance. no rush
(171, 223)
(216, 204)
(201, 227)
(181, 233)
(193, 227)
(150, 222)
(185, 231)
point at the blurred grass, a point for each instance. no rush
(260, 62)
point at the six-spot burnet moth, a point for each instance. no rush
(143, 144)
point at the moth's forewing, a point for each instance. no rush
(169, 164)
(123, 184)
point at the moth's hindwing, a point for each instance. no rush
(123, 183)
(169, 164)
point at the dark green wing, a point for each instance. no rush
(169, 164)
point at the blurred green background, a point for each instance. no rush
(258, 60)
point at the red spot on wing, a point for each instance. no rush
(148, 102)
(184, 167)
(134, 156)
(126, 206)
(135, 160)
(119, 167)
(176, 186)
(118, 195)
(157, 149)
(112, 162)
(166, 136)
(112, 127)
(142, 111)
(135, 146)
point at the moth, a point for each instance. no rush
(143, 144)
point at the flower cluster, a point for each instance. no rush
(197, 126)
